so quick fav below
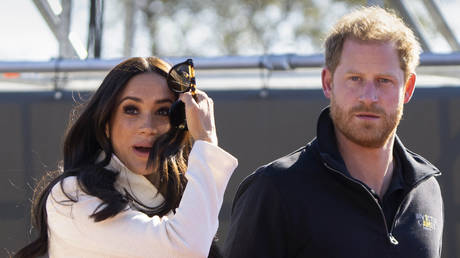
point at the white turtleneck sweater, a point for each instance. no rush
(131, 233)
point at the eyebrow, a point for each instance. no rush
(380, 74)
(136, 99)
(352, 72)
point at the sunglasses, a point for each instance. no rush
(181, 77)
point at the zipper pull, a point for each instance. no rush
(393, 240)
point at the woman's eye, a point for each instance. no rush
(163, 111)
(130, 110)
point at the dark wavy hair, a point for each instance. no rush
(85, 139)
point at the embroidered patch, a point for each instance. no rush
(426, 221)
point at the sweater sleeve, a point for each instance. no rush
(187, 233)
(258, 222)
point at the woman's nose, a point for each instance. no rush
(148, 125)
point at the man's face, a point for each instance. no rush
(367, 92)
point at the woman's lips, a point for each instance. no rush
(142, 151)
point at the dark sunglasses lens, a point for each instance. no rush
(179, 79)
(177, 115)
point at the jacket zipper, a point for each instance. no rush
(391, 238)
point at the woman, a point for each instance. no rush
(131, 184)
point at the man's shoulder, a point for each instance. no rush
(287, 164)
(279, 179)
(284, 169)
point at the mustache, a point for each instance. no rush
(368, 109)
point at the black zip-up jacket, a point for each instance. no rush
(306, 204)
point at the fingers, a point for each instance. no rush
(187, 98)
(191, 100)
(199, 111)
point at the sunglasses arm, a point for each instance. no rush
(191, 71)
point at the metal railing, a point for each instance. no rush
(269, 62)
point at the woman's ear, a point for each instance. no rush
(107, 131)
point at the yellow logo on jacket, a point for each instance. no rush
(426, 221)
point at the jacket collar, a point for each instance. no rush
(415, 168)
(327, 143)
(128, 182)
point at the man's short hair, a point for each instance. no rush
(373, 24)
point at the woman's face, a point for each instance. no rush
(140, 117)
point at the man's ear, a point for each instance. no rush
(326, 79)
(409, 87)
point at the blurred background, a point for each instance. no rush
(260, 60)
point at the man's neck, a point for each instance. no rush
(372, 166)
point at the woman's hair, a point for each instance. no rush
(86, 139)
(373, 24)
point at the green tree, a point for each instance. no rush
(238, 26)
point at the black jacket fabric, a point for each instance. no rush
(306, 204)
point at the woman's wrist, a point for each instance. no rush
(207, 138)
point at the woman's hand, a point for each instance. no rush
(199, 112)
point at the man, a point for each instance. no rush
(355, 190)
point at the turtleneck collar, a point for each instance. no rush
(138, 186)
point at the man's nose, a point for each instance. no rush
(369, 92)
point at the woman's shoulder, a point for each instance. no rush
(65, 193)
(68, 199)
(66, 188)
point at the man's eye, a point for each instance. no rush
(130, 110)
(355, 78)
(384, 80)
(163, 111)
